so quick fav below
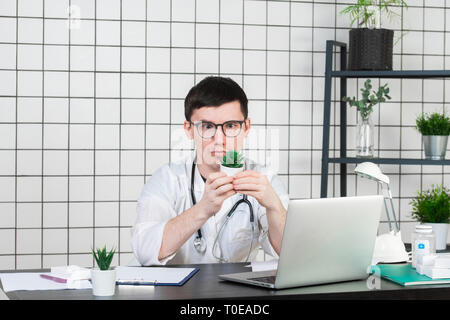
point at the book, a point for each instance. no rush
(154, 276)
(404, 275)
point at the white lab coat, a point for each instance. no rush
(167, 194)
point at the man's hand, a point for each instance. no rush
(257, 185)
(218, 187)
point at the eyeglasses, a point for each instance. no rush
(207, 129)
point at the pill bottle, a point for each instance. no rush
(423, 242)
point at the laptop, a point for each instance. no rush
(325, 240)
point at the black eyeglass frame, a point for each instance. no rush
(198, 123)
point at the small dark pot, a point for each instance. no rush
(370, 49)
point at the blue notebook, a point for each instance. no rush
(154, 276)
(404, 274)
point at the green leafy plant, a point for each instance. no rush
(365, 105)
(233, 159)
(367, 12)
(103, 258)
(434, 124)
(432, 206)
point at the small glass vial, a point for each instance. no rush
(423, 242)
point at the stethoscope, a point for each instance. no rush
(199, 241)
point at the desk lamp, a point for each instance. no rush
(389, 247)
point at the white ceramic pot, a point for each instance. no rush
(440, 232)
(103, 282)
(231, 171)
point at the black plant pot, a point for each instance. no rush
(370, 49)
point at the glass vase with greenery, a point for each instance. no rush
(365, 128)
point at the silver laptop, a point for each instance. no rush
(325, 240)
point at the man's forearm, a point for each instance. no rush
(179, 229)
(276, 218)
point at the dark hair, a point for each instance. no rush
(214, 91)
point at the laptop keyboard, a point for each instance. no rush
(269, 279)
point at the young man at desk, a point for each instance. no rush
(184, 213)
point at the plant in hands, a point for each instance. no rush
(233, 159)
(365, 105)
(103, 258)
(256, 185)
(218, 187)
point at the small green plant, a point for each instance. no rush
(434, 124)
(367, 13)
(432, 206)
(103, 258)
(233, 159)
(365, 105)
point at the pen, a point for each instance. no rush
(59, 280)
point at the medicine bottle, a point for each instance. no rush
(423, 242)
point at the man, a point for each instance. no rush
(182, 217)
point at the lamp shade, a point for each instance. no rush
(371, 171)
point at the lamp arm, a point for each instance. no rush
(397, 229)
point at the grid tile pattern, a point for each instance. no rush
(91, 104)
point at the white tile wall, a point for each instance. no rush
(80, 107)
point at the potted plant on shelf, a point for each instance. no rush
(370, 46)
(432, 207)
(103, 279)
(435, 129)
(365, 129)
(232, 162)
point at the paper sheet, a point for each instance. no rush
(33, 281)
(264, 265)
(152, 274)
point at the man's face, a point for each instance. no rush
(212, 150)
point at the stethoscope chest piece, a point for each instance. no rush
(200, 244)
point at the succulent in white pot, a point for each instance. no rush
(103, 278)
(232, 163)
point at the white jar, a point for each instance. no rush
(423, 242)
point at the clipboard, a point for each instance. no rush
(153, 276)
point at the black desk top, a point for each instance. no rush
(206, 285)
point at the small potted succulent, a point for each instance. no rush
(432, 207)
(435, 129)
(365, 128)
(103, 278)
(232, 162)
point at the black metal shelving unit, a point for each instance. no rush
(343, 75)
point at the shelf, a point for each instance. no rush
(402, 161)
(412, 74)
(344, 75)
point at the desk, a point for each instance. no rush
(206, 285)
